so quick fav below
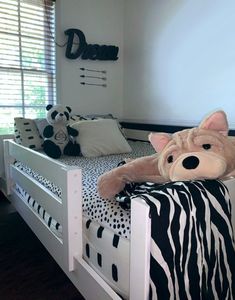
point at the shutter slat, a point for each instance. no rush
(27, 59)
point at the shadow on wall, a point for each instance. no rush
(163, 13)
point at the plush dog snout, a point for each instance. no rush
(190, 162)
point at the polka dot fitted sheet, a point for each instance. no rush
(106, 212)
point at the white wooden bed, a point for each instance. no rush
(67, 210)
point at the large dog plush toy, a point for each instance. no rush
(204, 152)
(58, 134)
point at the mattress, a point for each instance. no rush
(107, 212)
(106, 225)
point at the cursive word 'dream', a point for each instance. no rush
(87, 51)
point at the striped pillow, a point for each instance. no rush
(27, 134)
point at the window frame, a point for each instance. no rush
(22, 105)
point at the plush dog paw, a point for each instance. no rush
(109, 185)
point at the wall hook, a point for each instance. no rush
(86, 76)
(95, 84)
(91, 70)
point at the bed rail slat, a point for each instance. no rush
(100, 289)
(72, 215)
(50, 202)
(53, 244)
(140, 249)
(48, 168)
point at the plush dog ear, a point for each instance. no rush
(159, 140)
(216, 121)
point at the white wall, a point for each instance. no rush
(179, 60)
(102, 23)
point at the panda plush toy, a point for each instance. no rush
(58, 135)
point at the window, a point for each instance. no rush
(27, 60)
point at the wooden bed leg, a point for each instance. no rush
(139, 250)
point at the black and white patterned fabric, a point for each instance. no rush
(27, 134)
(54, 226)
(104, 211)
(192, 242)
(108, 254)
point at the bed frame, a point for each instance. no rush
(67, 210)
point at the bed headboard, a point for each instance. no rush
(140, 131)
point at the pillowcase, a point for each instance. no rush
(41, 124)
(77, 118)
(100, 137)
(99, 116)
(27, 134)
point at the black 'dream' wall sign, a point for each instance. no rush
(88, 51)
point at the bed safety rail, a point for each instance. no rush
(67, 210)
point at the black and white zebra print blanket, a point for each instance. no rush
(192, 244)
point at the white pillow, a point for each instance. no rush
(27, 134)
(100, 137)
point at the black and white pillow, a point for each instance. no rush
(27, 134)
